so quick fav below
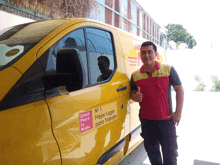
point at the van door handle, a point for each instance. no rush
(121, 89)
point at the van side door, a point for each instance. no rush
(89, 120)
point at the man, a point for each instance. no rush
(104, 63)
(151, 87)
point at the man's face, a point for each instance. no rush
(103, 66)
(148, 55)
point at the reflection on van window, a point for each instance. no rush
(76, 40)
(99, 43)
(10, 31)
(104, 63)
(70, 42)
(17, 40)
(29, 33)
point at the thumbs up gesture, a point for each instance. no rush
(138, 95)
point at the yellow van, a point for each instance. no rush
(65, 93)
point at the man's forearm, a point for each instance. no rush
(179, 100)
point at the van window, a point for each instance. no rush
(96, 50)
(17, 40)
(74, 39)
(100, 55)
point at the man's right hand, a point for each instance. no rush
(138, 96)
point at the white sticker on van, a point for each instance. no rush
(98, 117)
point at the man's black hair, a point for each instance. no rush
(147, 43)
(70, 42)
(105, 59)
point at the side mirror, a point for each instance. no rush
(69, 71)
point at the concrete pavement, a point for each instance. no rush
(199, 135)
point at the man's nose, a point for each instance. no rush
(147, 54)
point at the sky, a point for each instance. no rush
(198, 17)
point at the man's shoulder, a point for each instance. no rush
(165, 69)
(136, 72)
(165, 65)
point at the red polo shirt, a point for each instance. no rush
(154, 87)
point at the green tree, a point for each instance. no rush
(201, 86)
(216, 84)
(191, 42)
(176, 33)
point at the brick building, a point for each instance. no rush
(129, 16)
(125, 14)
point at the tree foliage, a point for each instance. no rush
(216, 84)
(201, 86)
(59, 8)
(176, 33)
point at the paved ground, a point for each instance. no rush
(136, 157)
(199, 135)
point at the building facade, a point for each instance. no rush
(124, 14)
(129, 16)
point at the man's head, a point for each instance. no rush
(147, 43)
(70, 42)
(148, 53)
(103, 63)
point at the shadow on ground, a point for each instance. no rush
(200, 162)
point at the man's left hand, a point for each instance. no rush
(176, 117)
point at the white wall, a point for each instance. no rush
(8, 19)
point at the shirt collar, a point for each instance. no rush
(157, 66)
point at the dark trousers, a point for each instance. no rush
(158, 133)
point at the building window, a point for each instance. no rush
(99, 14)
(124, 7)
(124, 12)
(101, 1)
(134, 17)
(141, 21)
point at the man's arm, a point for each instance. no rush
(177, 85)
(179, 98)
(176, 116)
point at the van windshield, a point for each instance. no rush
(17, 40)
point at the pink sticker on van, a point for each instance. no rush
(85, 121)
